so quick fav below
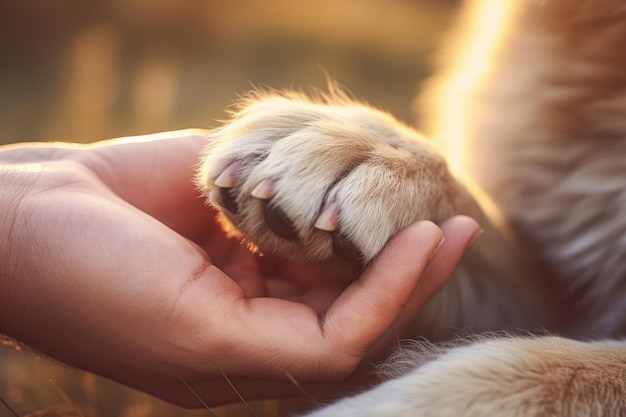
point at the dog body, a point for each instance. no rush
(543, 126)
(534, 95)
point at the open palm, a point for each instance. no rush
(118, 268)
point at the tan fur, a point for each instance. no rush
(547, 134)
(363, 160)
(383, 176)
(536, 96)
(505, 377)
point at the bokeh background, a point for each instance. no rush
(81, 71)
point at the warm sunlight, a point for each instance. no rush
(120, 69)
(467, 65)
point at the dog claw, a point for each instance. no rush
(265, 190)
(328, 218)
(228, 177)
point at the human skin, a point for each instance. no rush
(110, 262)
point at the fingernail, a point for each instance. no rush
(474, 238)
(436, 249)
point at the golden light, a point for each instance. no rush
(483, 26)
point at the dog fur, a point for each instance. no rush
(534, 95)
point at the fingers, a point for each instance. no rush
(412, 267)
(283, 336)
(286, 336)
(459, 233)
(368, 306)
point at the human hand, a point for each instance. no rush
(111, 263)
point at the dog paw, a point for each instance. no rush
(313, 181)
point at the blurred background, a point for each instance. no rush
(81, 71)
